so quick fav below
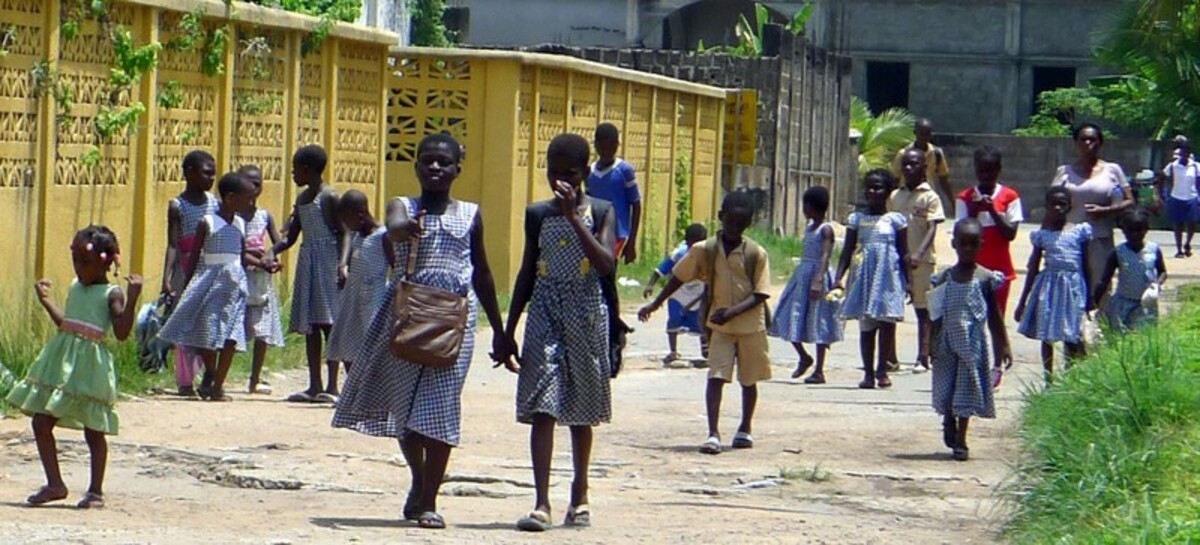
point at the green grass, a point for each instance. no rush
(1111, 452)
(812, 474)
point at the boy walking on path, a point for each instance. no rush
(614, 180)
(735, 270)
(998, 209)
(936, 169)
(922, 207)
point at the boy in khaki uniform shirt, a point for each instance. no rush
(922, 208)
(737, 314)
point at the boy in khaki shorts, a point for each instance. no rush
(734, 269)
(922, 208)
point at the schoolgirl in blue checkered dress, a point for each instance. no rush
(366, 283)
(1140, 271)
(263, 318)
(565, 366)
(963, 309)
(389, 397)
(210, 316)
(315, 285)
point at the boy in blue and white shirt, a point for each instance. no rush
(683, 309)
(614, 180)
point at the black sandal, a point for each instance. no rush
(412, 506)
(802, 367)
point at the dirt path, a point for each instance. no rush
(857, 467)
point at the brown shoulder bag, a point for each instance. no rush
(430, 322)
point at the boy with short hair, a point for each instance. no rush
(683, 309)
(614, 180)
(734, 269)
(922, 207)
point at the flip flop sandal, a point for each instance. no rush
(712, 445)
(43, 496)
(949, 432)
(204, 392)
(578, 516)
(742, 440)
(325, 397)
(961, 454)
(219, 396)
(883, 382)
(802, 367)
(535, 521)
(431, 521)
(867, 384)
(815, 379)
(301, 397)
(261, 389)
(91, 501)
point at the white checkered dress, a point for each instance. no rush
(212, 309)
(564, 368)
(315, 286)
(366, 286)
(189, 217)
(263, 322)
(384, 396)
(962, 384)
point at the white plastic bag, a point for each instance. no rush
(1150, 296)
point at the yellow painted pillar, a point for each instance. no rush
(650, 195)
(225, 105)
(699, 214)
(719, 111)
(144, 151)
(384, 76)
(503, 211)
(291, 133)
(672, 213)
(47, 140)
(534, 121)
(329, 51)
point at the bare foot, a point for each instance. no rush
(46, 495)
(91, 500)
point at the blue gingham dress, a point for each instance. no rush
(1135, 272)
(315, 288)
(366, 286)
(1057, 300)
(564, 368)
(876, 289)
(263, 322)
(962, 384)
(189, 218)
(799, 319)
(387, 397)
(212, 309)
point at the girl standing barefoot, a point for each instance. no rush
(73, 382)
(421, 406)
(879, 280)
(564, 373)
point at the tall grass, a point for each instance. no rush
(1111, 452)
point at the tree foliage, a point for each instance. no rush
(879, 137)
(338, 10)
(1155, 46)
(428, 23)
(750, 35)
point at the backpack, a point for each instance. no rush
(152, 351)
(712, 250)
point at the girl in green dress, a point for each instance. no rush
(73, 382)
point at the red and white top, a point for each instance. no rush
(994, 253)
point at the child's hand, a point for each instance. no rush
(42, 287)
(565, 196)
(913, 261)
(1006, 358)
(273, 266)
(504, 352)
(720, 316)
(409, 228)
(814, 292)
(630, 253)
(135, 284)
(647, 292)
(1020, 312)
(646, 311)
(343, 271)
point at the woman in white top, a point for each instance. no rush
(1099, 194)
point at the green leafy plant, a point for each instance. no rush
(189, 31)
(8, 35)
(91, 157)
(683, 194)
(879, 137)
(189, 134)
(171, 95)
(315, 39)
(750, 34)
(799, 22)
(428, 24)
(255, 51)
(212, 55)
(111, 121)
(255, 102)
(44, 80)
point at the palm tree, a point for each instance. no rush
(879, 137)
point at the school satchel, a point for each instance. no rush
(430, 322)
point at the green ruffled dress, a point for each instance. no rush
(73, 378)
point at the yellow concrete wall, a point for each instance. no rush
(506, 107)
(333, 97)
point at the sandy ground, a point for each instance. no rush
(832, 464)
